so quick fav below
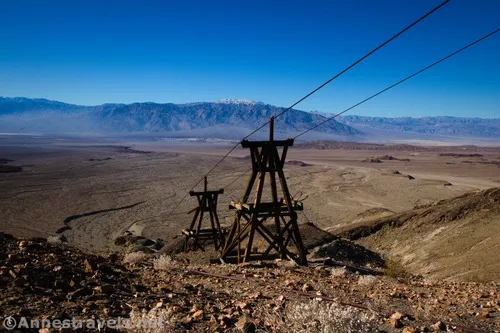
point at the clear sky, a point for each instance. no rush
(92, 52)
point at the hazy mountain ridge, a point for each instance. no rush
(443, 125)
(22, 104)
(227, 117)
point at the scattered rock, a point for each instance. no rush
(397, 315)
(395, 323)
(255, 295)
(135, 243)
(245, 324)
(104, 288)
(439, 326)
(372, 160)
(392, 158)
(297, 163)
(347, 251)
(410, 329)
(307, 287)
(241, 305)
(88, 267)
(198, 315)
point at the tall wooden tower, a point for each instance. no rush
(196, 236)
(280, 214)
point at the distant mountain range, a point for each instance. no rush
(227, 119)
(442, 126)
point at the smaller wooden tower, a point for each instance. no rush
(196, 236)
(275, 220)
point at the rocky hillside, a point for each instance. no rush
(227, 118)
(455, 239)
(46, 280)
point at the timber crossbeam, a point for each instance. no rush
(267, 207)
(277, 143)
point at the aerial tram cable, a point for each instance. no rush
(384, 90)
(314, 91)
(400, 81)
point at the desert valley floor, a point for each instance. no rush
(92, 192)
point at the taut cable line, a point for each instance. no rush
(313, 92)
(401, 81)
(386, 89)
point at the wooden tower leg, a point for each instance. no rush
(276, 204)
(251, 234)
(238, 216)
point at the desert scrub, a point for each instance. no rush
(317, 316)
(395, 269)
(156, 320)
(367, 280)
(338, 271)
(134, 257)
(163, 263)
(56, 240)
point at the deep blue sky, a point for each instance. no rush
(92, 52)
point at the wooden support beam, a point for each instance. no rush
(194, 193)
(276, 143)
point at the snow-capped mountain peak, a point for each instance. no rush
(236, 101)
(324, 114)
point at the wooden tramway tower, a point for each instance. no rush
(250, 217)
(196, 236)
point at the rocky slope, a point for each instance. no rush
(456, 239)
(40, 280)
